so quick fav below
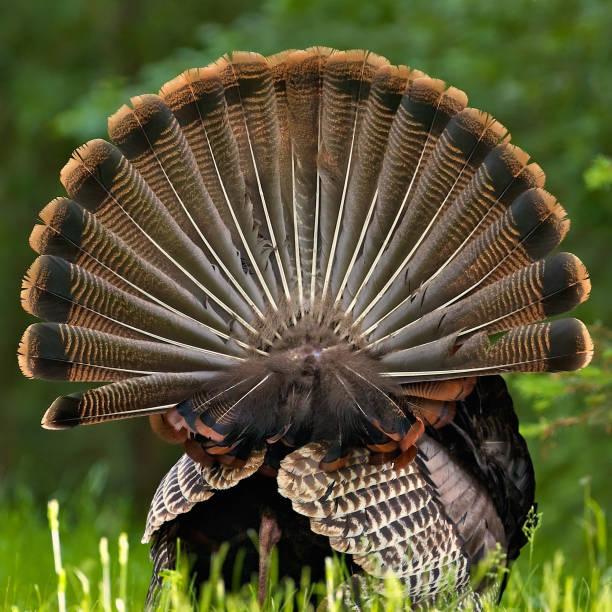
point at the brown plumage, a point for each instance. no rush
(310, 270)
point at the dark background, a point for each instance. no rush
(542, 68)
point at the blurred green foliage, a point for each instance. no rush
(541, 68)
(599, 174)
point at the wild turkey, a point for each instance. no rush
(310, 270)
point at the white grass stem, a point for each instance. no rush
(124, 549)
(53, 516)
(105, 585)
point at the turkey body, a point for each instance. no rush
(469, 488)
(310, 270)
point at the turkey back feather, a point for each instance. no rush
(313, 265)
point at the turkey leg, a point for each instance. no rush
(269, 535)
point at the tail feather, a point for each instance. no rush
(150, 138)
(461, 148)
(135, 397)
(65, 352)
(254, 190)
(59, 291)
(197, 99)
(541, 290)
(388, 86)
(563, 344)
(279, 67)
(74, 234)
(100, 179)
(422, 115)
(303, 84)
(346, 83)
(260, 136)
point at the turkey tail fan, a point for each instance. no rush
(311, 266)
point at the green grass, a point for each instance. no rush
(91, 560)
